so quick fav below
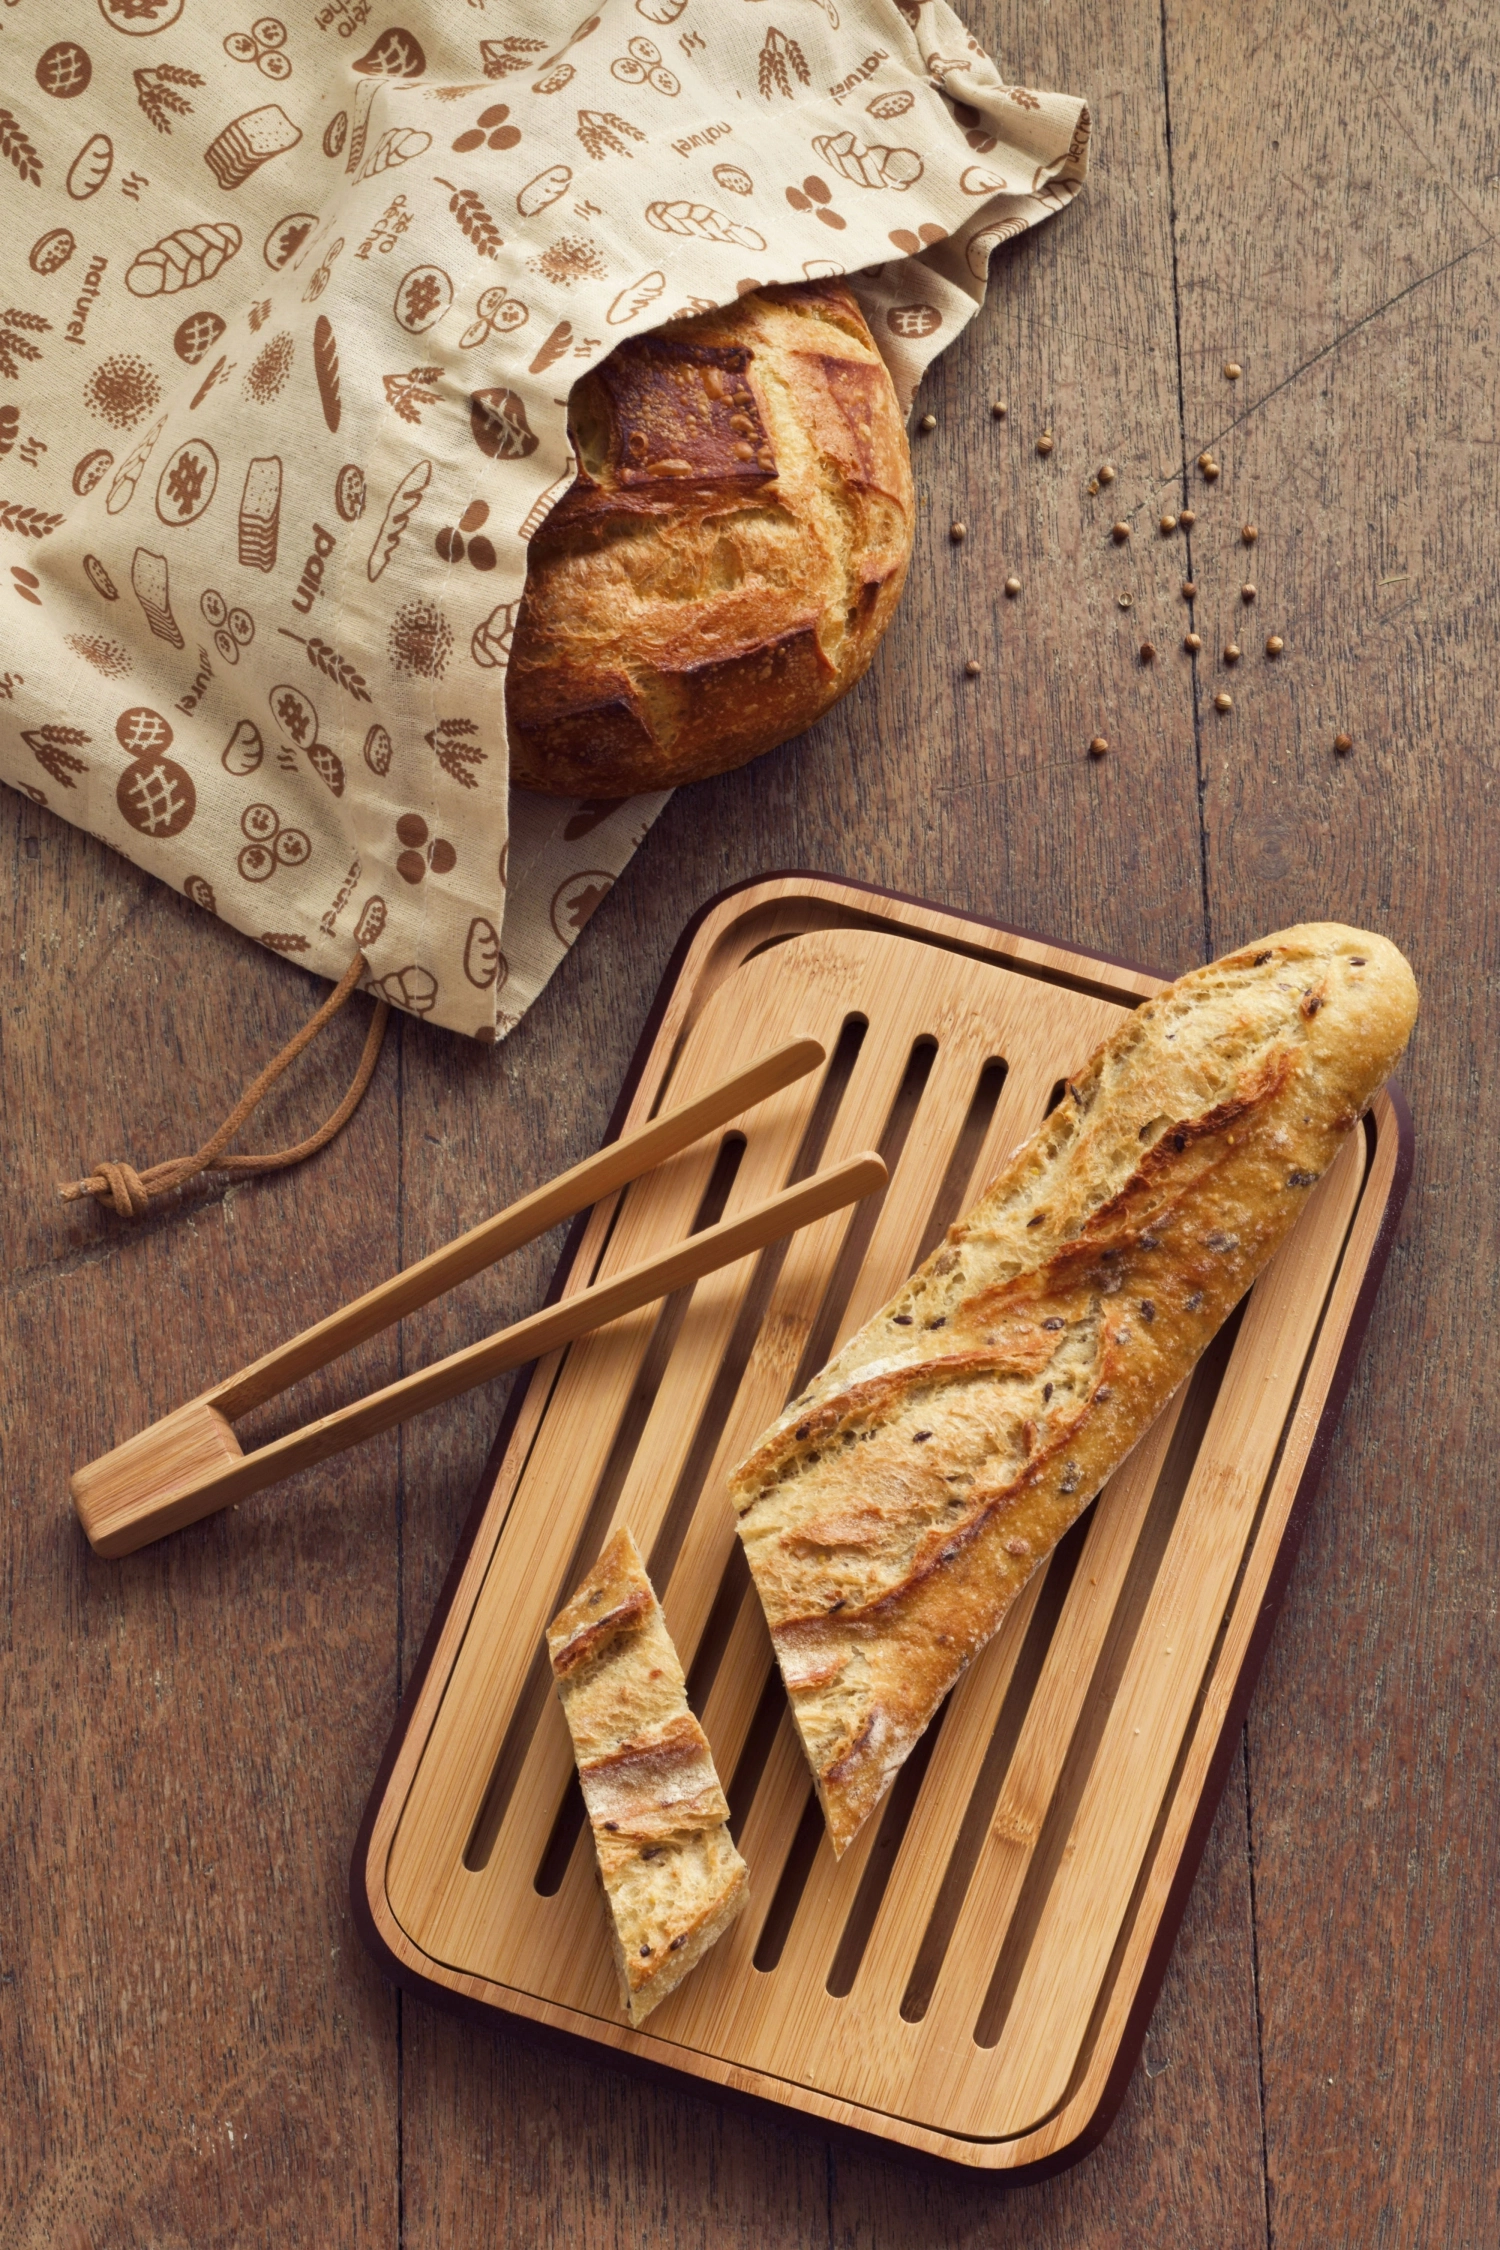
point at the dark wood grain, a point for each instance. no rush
(194, 2050)
(189, 2033)
(1357, 289)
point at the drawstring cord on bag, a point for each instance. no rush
(129, 1193)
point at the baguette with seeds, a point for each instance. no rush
(895, 1511)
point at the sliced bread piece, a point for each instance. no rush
(671, 1874)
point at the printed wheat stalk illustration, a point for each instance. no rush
(156, 91)
(15, 145)
(408, 393)
(777, 53)
(333, 667)
(502, 56)
(31, 523)
(14, 345)
(456, 746)
(601, 131)
(52, 748)
(475, 221)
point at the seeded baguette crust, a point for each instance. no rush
(896, 1510)
(671, 1874)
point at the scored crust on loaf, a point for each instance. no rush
(897, 1508)
(732, 548)
(671, 1874)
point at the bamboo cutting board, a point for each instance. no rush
(974, 1978)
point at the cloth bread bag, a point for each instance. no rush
(292, 311)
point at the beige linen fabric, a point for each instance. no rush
(292, 306)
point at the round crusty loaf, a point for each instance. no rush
(726, 560)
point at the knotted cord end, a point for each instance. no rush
(119, 1185)
(124, 1189)
(128, 1193)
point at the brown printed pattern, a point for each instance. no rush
(290, 309)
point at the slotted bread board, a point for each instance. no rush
(974, 1978)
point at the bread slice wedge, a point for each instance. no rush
(894, 1512)
(671, 1874)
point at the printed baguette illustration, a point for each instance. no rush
(897, 1508)
(671, 1874)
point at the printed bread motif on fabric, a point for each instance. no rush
(290, 311)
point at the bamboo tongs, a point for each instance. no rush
(191, 1463)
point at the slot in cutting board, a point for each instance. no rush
(974, 1978)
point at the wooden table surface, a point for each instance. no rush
(194, 2050)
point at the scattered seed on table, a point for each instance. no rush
(1275, 645)
(1204, 459)
(1012, 587)
(1148, 652)
(1223, 702)
(1126, 601)
(1189, 588)
(928, 422)
(1000, 409)
(1210, 471)
(958, 532)
(1231, 652)
(1098, 746)
(1106, 472)
(1232, 370)
(1167, 523)
(1187, 519)
(973, 667)
(1120, 533)
(1249, 534)
(1247, 592)
(1343, 744)
(1192, 642)
(1044, 442)
(1093, 486)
